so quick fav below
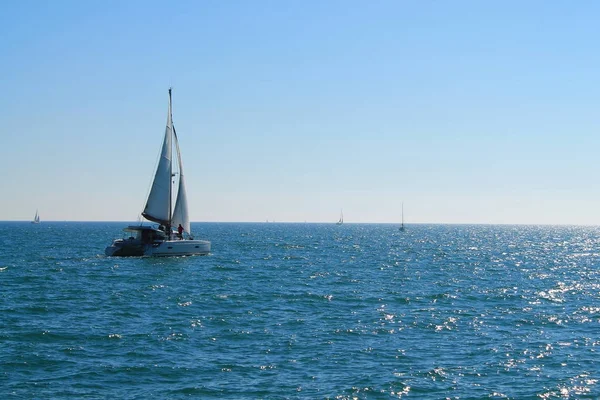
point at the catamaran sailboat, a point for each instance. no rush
(36, 219)
(146, 240)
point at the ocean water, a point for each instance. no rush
(303, 311)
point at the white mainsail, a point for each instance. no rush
(158, 205)
(37, 217)
(180, 213)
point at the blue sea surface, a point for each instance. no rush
(302, 311)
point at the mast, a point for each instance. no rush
(171, 177)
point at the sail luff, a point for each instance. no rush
(158, 205)
(180, 212)
(170, 118)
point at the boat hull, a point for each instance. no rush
(162, 248)
(179, 248)
(125, 248)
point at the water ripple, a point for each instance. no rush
(304, 311)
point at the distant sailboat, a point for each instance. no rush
(402, 226)
(36, 219)
(341, 220)
(150, 241)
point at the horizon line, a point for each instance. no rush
(316, 222)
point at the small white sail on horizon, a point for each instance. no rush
(402, 226)
(341, 220)
(36, 218)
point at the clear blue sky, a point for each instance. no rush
(468, 111)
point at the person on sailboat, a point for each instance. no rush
(180, 231)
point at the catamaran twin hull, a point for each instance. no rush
(134, 248)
